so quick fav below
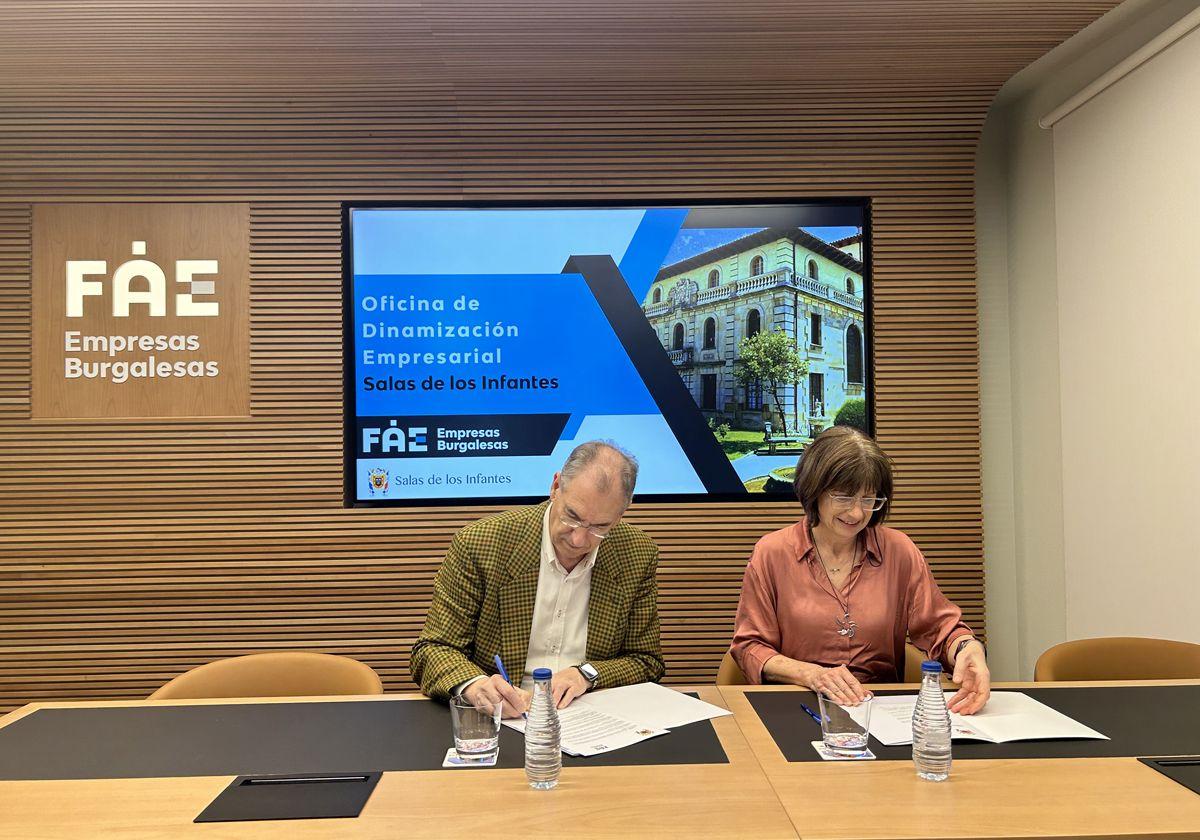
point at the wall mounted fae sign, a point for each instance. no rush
(139, 310)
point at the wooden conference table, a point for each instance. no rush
(756, 793)
(984, 798)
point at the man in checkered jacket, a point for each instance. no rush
(563, 585)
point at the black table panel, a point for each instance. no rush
(1146, 720)
(291, 798)
(1186, 771)
(280, 738)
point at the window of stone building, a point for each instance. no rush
(816, 394)
(814, 329)
(677, 341)
(708, 391)
(812, 269)
(850, 285)
(714, 277)
(753, 323)
(754, 395)
(658, 294)
(854, 355)
(756, 266)
(710, 334)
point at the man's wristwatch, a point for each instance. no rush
(589, 673)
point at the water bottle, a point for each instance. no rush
(931, 726)
(543, 753)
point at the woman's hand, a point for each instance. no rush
(837, 684)
(972, 674)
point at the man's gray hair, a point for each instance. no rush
(611, 462)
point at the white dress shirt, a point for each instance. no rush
(558, 635)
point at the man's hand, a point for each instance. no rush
(567, 685)
(972, 674)
(486, 693)
(836, 683)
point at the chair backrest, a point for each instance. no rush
(729, 673)
(289, 674)
(913, 657)
(1119, 658)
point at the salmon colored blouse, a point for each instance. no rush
(789, 607)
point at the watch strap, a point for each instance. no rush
(591, 680)
(963, 642)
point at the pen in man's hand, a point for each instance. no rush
(504, 673)
(500, 668)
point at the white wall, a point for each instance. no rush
(1127, 212)
(1056, 432)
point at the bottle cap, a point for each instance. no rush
(929, 666)
(542, 673)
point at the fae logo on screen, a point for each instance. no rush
(395, 438)
(149, 275)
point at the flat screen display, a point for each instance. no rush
(711, 342)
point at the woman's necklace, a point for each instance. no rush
(846, 624)
(829, 570)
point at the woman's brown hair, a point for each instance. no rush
(842, 460)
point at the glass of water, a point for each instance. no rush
(844, 728)
(476, 731)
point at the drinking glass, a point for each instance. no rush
(476, 731)
(844, 728)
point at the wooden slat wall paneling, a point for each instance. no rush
(296, 335)
(16, 338)
(131, 550)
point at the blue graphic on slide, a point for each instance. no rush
(469, 313)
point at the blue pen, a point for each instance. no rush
(500, 668)
(811, 714)
(504, 673)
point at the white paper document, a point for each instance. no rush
(586, 731)
(1008, 716)
(607, 720)
(650, 704)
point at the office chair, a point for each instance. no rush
(285, 674)
(1119, 658)
(729, 673)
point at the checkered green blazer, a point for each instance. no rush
(483, 599)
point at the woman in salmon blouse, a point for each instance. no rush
(826, 603)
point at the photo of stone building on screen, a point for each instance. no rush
(777, 279)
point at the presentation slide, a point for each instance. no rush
(712, 343)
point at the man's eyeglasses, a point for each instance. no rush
(868, 503)
(573, 525)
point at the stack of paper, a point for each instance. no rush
(1008, 716)
(602, 721)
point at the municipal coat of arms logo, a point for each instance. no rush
(377, 481)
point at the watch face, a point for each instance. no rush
(589, 671)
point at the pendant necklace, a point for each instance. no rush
(846, 624)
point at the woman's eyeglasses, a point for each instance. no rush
(868, 503)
